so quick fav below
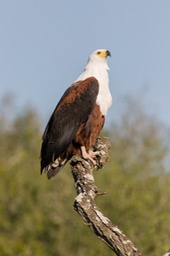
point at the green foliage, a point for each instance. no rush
(37, 217)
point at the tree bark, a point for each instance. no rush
(84, 203)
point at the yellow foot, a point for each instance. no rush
(89, 156)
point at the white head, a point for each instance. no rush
(99, 55)
(97, 64)
(98, 58)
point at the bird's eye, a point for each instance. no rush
(98, 53)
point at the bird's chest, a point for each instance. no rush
(104, 98)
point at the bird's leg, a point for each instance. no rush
(91, 155)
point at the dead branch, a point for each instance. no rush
(84, 203)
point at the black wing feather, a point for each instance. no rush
(65, 120)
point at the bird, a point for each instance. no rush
(78, 117)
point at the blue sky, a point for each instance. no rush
(44, 45)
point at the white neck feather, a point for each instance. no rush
(100, 71)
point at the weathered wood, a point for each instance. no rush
(84, 203)
(167, 254)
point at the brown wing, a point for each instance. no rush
(72, 110)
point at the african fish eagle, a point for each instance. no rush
(78, 117)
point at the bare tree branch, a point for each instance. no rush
(167, 254)
(84, 203)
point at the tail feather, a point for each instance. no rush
(55, 167)
(54, 171)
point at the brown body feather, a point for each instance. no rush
(75, 122)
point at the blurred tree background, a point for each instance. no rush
(37, 216)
